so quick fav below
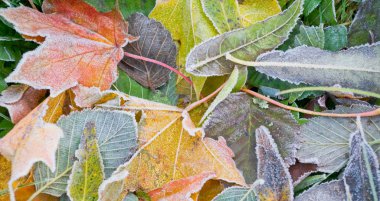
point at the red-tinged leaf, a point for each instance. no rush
(20, 100)
(31, 140)
(181, 189)
(82, 46)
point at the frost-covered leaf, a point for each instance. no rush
(172, 154)
(271, 169)
(365, 27)
(82, 49)
(253, 11)
(334, 191)
(354, 68)
(31, 133)
(236, 119)
(310, 36)
(361, 176)
(310, 5)
(325, 140)
(223, 13)
(126, 7)
(156, 43)
(189, 25)
(236, 194)
(324, 14)
(116, 135)
(208, 58)
(20, 100)
(335, 37)
(181, 189)
(87, 173)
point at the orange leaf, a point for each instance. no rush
(82, 46)
(181, 189)
(20, 100)
(31, 140)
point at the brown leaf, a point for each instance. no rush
(20, 100)
(156, 43)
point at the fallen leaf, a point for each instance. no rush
(30, 141)
(156, 43)
(325, 140)
(236, 194)
(299, 171)
(224, 14)
(237, 117)
(89, 96)
(272, 169)
(173, 154)
(354, 68)
(76, 49)
(208, 58)
(88, 171)
(333, 190)
(116, 130)
(210, 190)
(20, 100)
(195, 28)
(181, 189)
(365, 28)
(361, 176)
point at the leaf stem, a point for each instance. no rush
(32, 4)
(262, 97)
(339, 89)
(205, 99)
(159, 63)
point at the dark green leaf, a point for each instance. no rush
(335, 37)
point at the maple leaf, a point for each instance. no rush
(82, 46)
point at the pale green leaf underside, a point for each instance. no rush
(325, 140)
(117, 137)
(352, 68)
(87, 173)
(208, 58)
(236, 194)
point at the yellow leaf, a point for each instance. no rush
(252, 11)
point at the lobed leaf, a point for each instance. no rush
(208, 58)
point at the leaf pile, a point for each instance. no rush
(182, 100)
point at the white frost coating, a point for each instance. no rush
(116, 177)
(356, 67)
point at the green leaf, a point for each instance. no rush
(127, 7)
(236, 194)
(208, 58)
(88, 172)
(310, 5)
(310, 36)
(335, 37)
(352, 68)
(227, 89)
(362, 175)
(324, 14)
(365, 27)
(5, 126)
(333, 190)
(325, 140)
(223, 13)
(309, 181)
(236, 119)
(166, 94)
(116, 135)
(272, 169)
